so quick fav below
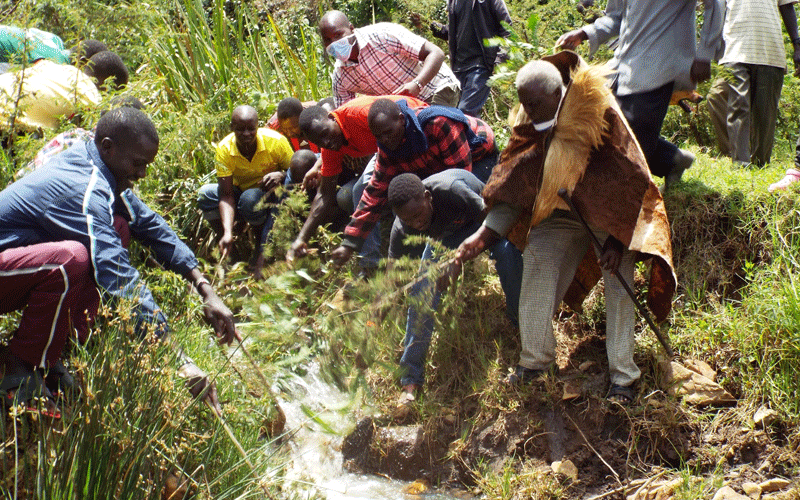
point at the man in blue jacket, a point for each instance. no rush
(63, 235)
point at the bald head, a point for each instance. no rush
(333, 26)
(244, 113)
(541, 76)
(334, 19)
(540, 88)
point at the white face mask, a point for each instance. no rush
(548, 124)
(341, 48)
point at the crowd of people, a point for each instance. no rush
(400, 142)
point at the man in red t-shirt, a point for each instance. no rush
(340, 133)
(285, 120)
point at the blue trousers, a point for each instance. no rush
(426, 299)
(371, 251)
(246, 201)
(474, 90)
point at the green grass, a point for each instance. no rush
(735, 248)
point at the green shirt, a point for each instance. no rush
(18, 45)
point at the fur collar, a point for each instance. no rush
(581, 127)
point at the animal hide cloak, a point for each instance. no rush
(593, 153)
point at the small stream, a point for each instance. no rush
(318, 416)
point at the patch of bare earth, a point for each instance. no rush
(618, 452)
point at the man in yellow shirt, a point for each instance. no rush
(251, 163)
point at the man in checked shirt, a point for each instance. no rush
(385, 59)
(424, 141)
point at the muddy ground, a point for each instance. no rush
(565, 417)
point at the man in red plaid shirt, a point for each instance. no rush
(424, 141)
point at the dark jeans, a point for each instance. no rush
(419, 325)
(474, 90)
(645, 113)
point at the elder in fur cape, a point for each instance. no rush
(571, 134)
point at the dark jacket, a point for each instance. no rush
(486, 19)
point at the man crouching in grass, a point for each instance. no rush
(446, 207)
(64, 231)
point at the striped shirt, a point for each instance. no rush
(448, 148)
(657, 42)
(753, 33)
(388, 58)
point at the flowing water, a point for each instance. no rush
(318, 416)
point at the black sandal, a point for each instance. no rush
(522, 375)
(59, 381)
(21, 384)
(621, 394)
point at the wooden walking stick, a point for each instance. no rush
(642, 310)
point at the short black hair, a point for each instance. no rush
(106, 64)
(309, 116)
(289, 107)
(382, 106)
(125, 126)
(85, 49)
(123, 101)
(302, 161)
(328, 101)
(404, 188)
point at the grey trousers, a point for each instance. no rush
(555, 249)
(753, 97)
(717, 100)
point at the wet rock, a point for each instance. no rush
(566, 468)
(765, 416)
(752, 490)
(694, 388)
(401, 453)
(728, 493)
(355, 446)
(397, 452)
(776, 484)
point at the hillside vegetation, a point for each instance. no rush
(134, 428)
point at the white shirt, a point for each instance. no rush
(753, 33)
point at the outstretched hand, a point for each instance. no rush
(479, 241)
(449, 275)
(199, 386)
(341, 255)
(311, 179)
(220, 318)
(272, 180)
(298, 249)
(571, 39)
